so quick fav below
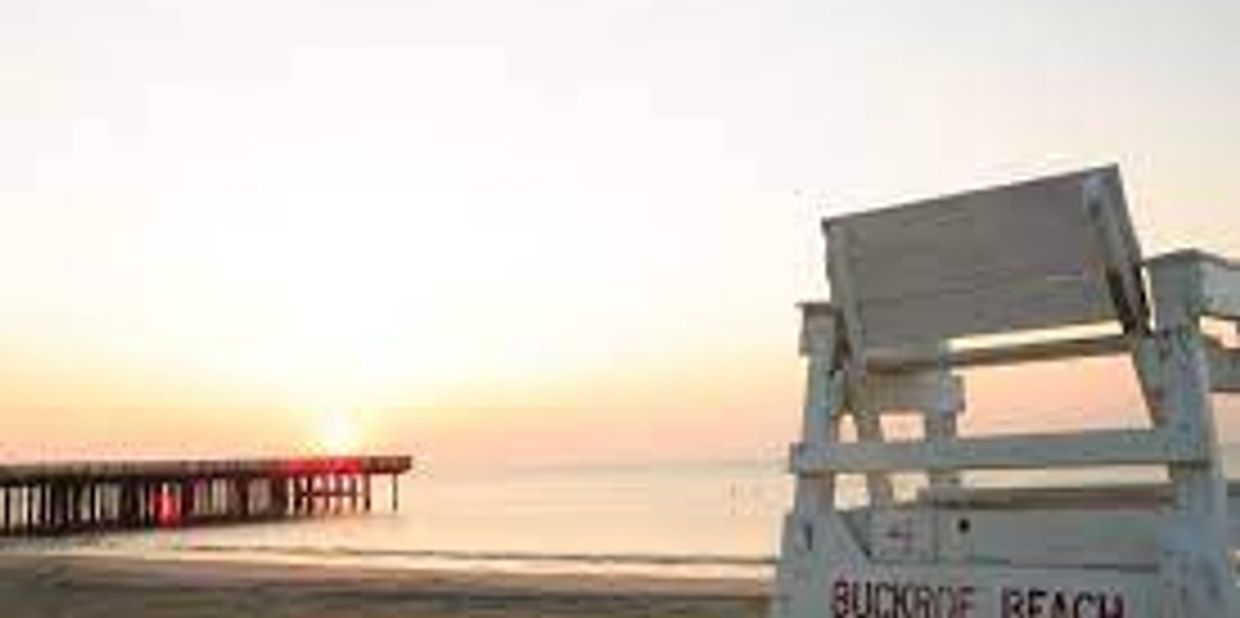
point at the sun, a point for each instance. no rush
(338, 433)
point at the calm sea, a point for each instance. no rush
(698, 519)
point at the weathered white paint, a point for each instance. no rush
(1224, 369)
(1099, 447)
(902, 360)
(1192, 283)
(922, 391)
(1024, 256)
(1038, 255)
(1121, 256)
(1066, 537)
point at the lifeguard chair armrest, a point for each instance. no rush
(1191, 284)
(1111, 447)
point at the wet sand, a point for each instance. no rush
(96, 586)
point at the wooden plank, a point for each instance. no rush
(1117, 500)
(1084, 449)
(1121, 254)
(841, 280)
(981, 591)
(1082, 538)
(981, 258)
(934, 392)
(869, 426)
(905, 535)
(1015, 257)
(1220, 280)
(1149, 496)
(832, 577)
(867, 421)
(898, 361)
(1009, 306)
(1064, 537)
(1053, 203)
(1224, 368)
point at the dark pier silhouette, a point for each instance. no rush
(72, 498)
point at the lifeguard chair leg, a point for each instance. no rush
(1195, 565)
(814, 502)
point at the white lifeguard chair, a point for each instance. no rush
(1033, 257)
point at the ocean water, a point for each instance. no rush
(693, 519)
(709, 519)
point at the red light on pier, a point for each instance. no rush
(167, 511)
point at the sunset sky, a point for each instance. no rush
(485, 230)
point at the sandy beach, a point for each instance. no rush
(96, 587)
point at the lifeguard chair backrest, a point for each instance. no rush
(1047, 253)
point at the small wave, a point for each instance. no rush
(714, 560)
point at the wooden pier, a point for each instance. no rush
(71, 498)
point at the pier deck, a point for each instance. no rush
(69, 498)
